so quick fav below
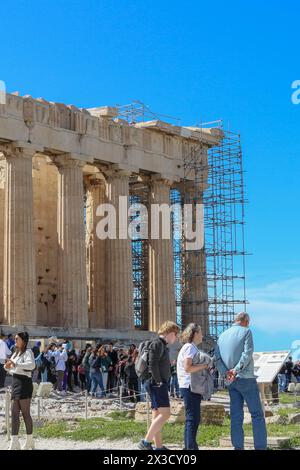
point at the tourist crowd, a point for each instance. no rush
(131, 373)
(103, 370)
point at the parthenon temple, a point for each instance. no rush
(58, 163)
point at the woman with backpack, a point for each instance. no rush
(20, 366)
(191, 364)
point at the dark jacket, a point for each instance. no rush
(113, 355)
(94, 363)
(130, 370)
(159, 361)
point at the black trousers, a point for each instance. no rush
(2, 375)
(111, 381)
(133, 390)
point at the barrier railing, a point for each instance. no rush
(40, 408)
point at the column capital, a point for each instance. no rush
(95, 180)
(19, 149)
(162, 179)
(67, 160)
(118, 171)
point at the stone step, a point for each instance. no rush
(273, 442)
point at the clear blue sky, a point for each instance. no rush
(198, 61)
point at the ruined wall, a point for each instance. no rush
(46, 240)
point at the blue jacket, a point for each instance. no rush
(234, 350)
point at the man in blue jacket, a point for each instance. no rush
(234, 356)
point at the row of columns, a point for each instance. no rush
(109, 266)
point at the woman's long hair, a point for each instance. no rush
(187, 336)
(101, 351)
(25, 337)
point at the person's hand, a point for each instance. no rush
(231, 375)
(9, 364)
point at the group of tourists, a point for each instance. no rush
(146, 369)
(288, 371)
(233, 356)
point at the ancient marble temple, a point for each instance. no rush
(56, 275)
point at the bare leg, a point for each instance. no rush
(162, 415)
(157, 437)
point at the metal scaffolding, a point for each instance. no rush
(140, 250)
(220, 266)
(224, 221)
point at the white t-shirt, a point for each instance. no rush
(187, 351)
(61, 358)
(4, 351)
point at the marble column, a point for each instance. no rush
(2, 226)
(119, 259)
(20, 302)
(72, 278)
(195, 297)
(96, 254)
(161, 265)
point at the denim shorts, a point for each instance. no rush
(159, 395)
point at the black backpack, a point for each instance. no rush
(142, 362)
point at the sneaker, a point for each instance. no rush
(142, 445)
(162, 448)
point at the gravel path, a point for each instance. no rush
(99, 444)
(60, 444)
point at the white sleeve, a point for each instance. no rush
(28, 362)
(189, 352)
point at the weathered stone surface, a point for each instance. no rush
(273, 442)
(177, 412)
(294, 419)
(212, 413)
(47, 151)
(277, 419)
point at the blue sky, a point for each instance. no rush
(199, 61)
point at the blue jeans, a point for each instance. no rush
(174, 386)
(192, 405)
(246, 390)
(96, 379)
(142, 390)
(281, 382)
(44, 375)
